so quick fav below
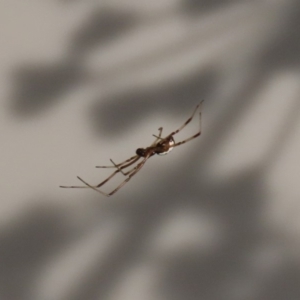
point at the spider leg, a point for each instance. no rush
(157, 137)
(118, 165)
(187, 121)
(110, 176)
(134, 171)
(192, 137)
(87, 185)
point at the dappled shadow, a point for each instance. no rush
(38, 88)
(283, 284)
(102, 27)
(203, 6)
(27, 246)
(237, 202)
(118, 114)
(283, 50)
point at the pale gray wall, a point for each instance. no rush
(85, 81)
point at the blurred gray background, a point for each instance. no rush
(85, 81)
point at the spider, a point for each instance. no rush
(160, 146)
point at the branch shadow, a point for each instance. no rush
(195, 7)
(39, 88)
(103, 26)
(129, 109)
(27, 246)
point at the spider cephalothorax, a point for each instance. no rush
(141, 152)
(160, 146)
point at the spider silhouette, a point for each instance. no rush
(160, 146)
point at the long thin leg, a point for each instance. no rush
(120, 168)
(160, 129)
(117, 167)
(187, 121)
(192, 137)
(120, 164)
(137, 168)
(110, 176)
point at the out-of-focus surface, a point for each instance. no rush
(85, 81)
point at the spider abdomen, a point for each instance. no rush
(166, 146)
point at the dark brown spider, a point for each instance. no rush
(160, 146)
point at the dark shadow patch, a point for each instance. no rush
(284, 283)
(101, 27)
(203, 6)
(38, 88)
(120, 113)
(283, 50)
(27, 246)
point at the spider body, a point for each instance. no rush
(141, 152)
(160, 146)
(165, 146)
